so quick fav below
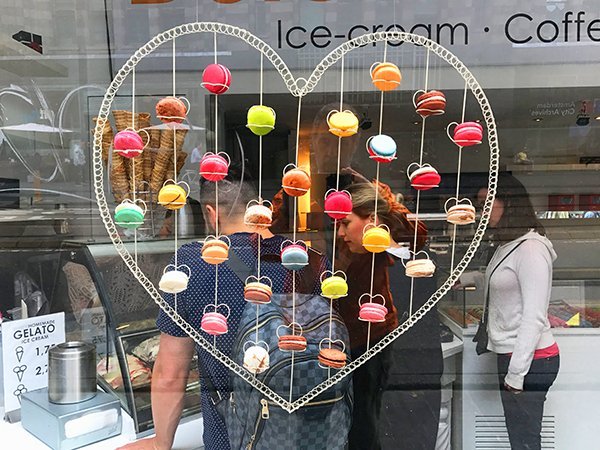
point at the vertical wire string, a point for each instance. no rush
(458, 172)
(376, 200)
(175, 212)
(174, 91)
(337, 188)
(294, 231)
(260, 198)
(258, 275)
(414, 253)
(133, 186)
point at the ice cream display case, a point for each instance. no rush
(575, 296)
(133, 339)
(104, 305)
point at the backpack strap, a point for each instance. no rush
(238, 266)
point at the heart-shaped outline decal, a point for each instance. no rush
(298, 87)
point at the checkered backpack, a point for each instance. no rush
(253, 421)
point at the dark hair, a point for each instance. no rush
(389, 212)
(518, 216)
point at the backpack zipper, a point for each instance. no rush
(317, 403)
(269, 318)
(264, 413)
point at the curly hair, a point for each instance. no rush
(389, 211)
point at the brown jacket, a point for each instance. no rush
(359, 282)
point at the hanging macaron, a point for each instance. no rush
(423, 176)
(176, 280)
(259, 213)
(461, 213)
(215, 250)
(429, 103)
(214, 167)
(258, 290)
(216, 78)
(330, 356)
(294, 255)
(466, 134)
(338, 204)
(296, 181)
(371, 310)
(256, 357)
(381, 148)
(129, 144)
(293, 342)
(261, 119)
(385, 76)
(173, 195)
(213, 322)
(129, 214)
(172, 109)
(419, 268)
(376, 239)
(342, 123)
(334, 285)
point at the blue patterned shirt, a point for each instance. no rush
(201, 292)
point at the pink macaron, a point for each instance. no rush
(214, 323)
(128, 144)
(216, 78)
(338, 204)
(372, 312)
(213, 167)
(467, 134)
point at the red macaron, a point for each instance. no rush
(214, 167)
(338, 204)
(216, 78)
(424, 177)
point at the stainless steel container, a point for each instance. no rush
(71, 372)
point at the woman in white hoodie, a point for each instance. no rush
(518, 282)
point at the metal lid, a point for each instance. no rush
(72, 349)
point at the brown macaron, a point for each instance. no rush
(292, 343)
(332, 357)
(431, 103)
(257, 293)
(296, 182)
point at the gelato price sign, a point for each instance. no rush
(25, 346)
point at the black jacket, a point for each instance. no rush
(417, 360)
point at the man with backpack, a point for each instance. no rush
(171, 369)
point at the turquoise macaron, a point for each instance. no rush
(294, 257)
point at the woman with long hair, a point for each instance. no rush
(411, 367)
(518, 281)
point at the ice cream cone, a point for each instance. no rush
(181, 157)
(160, 168)
(180, 138)
(166, 139)
(118, 178)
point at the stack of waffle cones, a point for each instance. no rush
(153, 167)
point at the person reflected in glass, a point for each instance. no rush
(519, 277)
(408, 371)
